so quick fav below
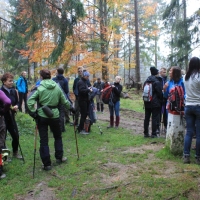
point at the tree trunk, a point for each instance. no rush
(137, 48)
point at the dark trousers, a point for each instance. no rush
(22, 97)
(155, 112)
(54, 124)
(2, 132)
(61, 109)
(163, 115)
(84, 112)
(11, 127)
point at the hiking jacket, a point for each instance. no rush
(47, 93)
(157, 94)
(13, 96)
(83, 90)
(99, 85)
(75, 85)
(22, 85)
(171, 84)
(5, 103)
(116, 91)
(63, 82)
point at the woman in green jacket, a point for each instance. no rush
(48, 95)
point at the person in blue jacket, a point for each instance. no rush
(22, 87)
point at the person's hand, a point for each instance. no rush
(14, 108)
(112, 86)
(72, 110)
(165, 86)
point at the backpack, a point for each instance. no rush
(106, 94)
(176, 99)
(147, 92)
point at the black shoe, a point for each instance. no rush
(146, 136)
(59, 161)
(154, 136)
(47, 168)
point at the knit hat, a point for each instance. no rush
(86, 73)
(154, 71)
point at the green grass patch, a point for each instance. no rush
(114, 165)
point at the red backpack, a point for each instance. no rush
(176, 99)
(106, 94)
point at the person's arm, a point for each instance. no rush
(32, 100)
(6, 101)
(118, 90)
(64, 101)
(82, 89)
(66, 88)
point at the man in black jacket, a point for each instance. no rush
(83, 100)
(153, 106)
(63, 82)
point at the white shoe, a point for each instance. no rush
(83, 132)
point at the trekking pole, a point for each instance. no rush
(75, 137)
(16, 132)
(35, 143)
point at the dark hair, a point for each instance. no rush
(45, 74)
(194, 67)
(60, 70)
(176, 73)
(6, 76)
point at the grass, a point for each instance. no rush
(109, 168)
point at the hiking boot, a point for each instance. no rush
(146, 135)
(47, 168)
(198, 160)
(116, 127)
(154, 136)
(1, 173)
(59, 161)
(17, 155)
(186, 159)
(83, 132)
(109, 126)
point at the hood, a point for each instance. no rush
(48, 83)
(153, 79)
(60, 76)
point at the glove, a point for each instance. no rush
(72, 110)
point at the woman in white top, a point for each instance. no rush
(192, 108)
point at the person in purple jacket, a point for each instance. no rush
(5, 104)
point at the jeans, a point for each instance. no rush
(115, 109)
(192, 116)
(54, 124)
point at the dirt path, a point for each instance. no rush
(129, 119)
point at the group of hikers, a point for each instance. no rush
(178, 94)
(49, 104)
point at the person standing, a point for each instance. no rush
(49, 95)
(100, 86)
(75, 91)
(22, 87)
(11, 125)
(153, 107)
(5, 104)
(163, 115)
(114, 106)
(83, 100)
(63, 82)
(192, 109)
